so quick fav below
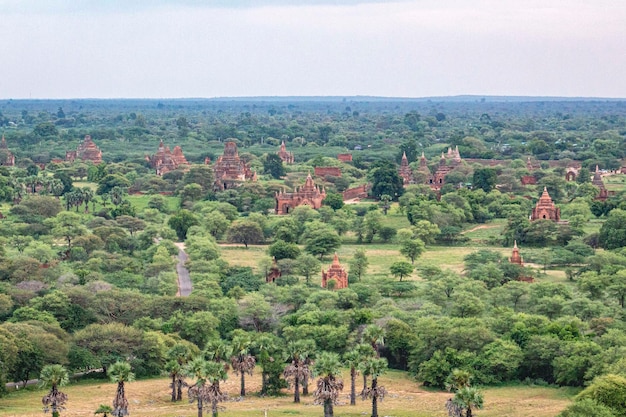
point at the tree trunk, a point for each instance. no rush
(468, 413)
(374, 397)
(328, 408)
(296, 391)
(199, 405)
(180, 389)
(173, 387)
(263, 383)
(243, 384)
(305, 384)
(214, 408)
(364, 382)
(352, 386)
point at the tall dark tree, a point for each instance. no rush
(485, 179)
(273, 165)
(385, 180)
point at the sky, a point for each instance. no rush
(235, 48)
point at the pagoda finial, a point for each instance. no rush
(336, 260)
(515, 244)
(597, 169)
(423, 155)
(404, 155)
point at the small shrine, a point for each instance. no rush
(405, 171)
(327, 172)
(446, 165)
(345, 157)
(7, 159)
(515, 256)
(597, 178)
(336, 273)
(230, 170)
(545, 209)
(273, 273)
(309, 194)
(284, 155)
(164, 160)
(86, 151)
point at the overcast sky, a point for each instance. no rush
(410, 48)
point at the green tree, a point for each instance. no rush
(242, 361)
(412, 249)
(181, 222)
(385, 181)
(54, 376)
(321, 241)
(333, 200)
(329, 385)
(587, 408)
(485, 179)
(67, 225)
(608, 390)
(120, 373)
(245, 231)
(273, 165)
(284, 250)
(298, 369)
(613, 230)
(358, 263)
(401, 269)
(468, 399)
(106, 184)
(205, 372)
(374, 368)
(104, 409)
(307, 265)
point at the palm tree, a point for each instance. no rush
(467, 398)
(268, 349)
(88, 195)
(375, 368)
(458, 379)
(217, 350)
(215, 374)
(203, 372)
(353, 359)
(120, 373)
(374, 335)
(177, 356)
(241, 361)
(54, 376)
(327, 367)
(298, 370)
(104, 409)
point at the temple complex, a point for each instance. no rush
(597, 179)
(405, 171)
(345, 157)
(545, 209)
(309, 194)
(336, 273)
(287, 157)
(164, 160)
(230, 170)
(86, 151)
(446, 165)
(7, 159)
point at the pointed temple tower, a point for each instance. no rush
(287, 157)
(230, 170)
(545, 209)
(164, 160)
(405, 171)
(597, 181)
(7, 159)
(336, 273)
(309, 194)
(515, 256)
(86, 151)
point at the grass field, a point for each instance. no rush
(405, 399)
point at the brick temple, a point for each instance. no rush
(7, 159)
(284, 155)
(164, 160)
(545, 208)
(309, 194)
(230, 171)
(86, 151)
(336, 273)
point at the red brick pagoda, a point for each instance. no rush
(516, 258)
(86, 151)
(309, 194)
(287, 157)
(230, 171)
(405, 171)
(545, 209)
(164, 160)
(336, 273)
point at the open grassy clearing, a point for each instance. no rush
(405, 399)
(616, 182)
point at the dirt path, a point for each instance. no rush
(184, 281)
(482, 226)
